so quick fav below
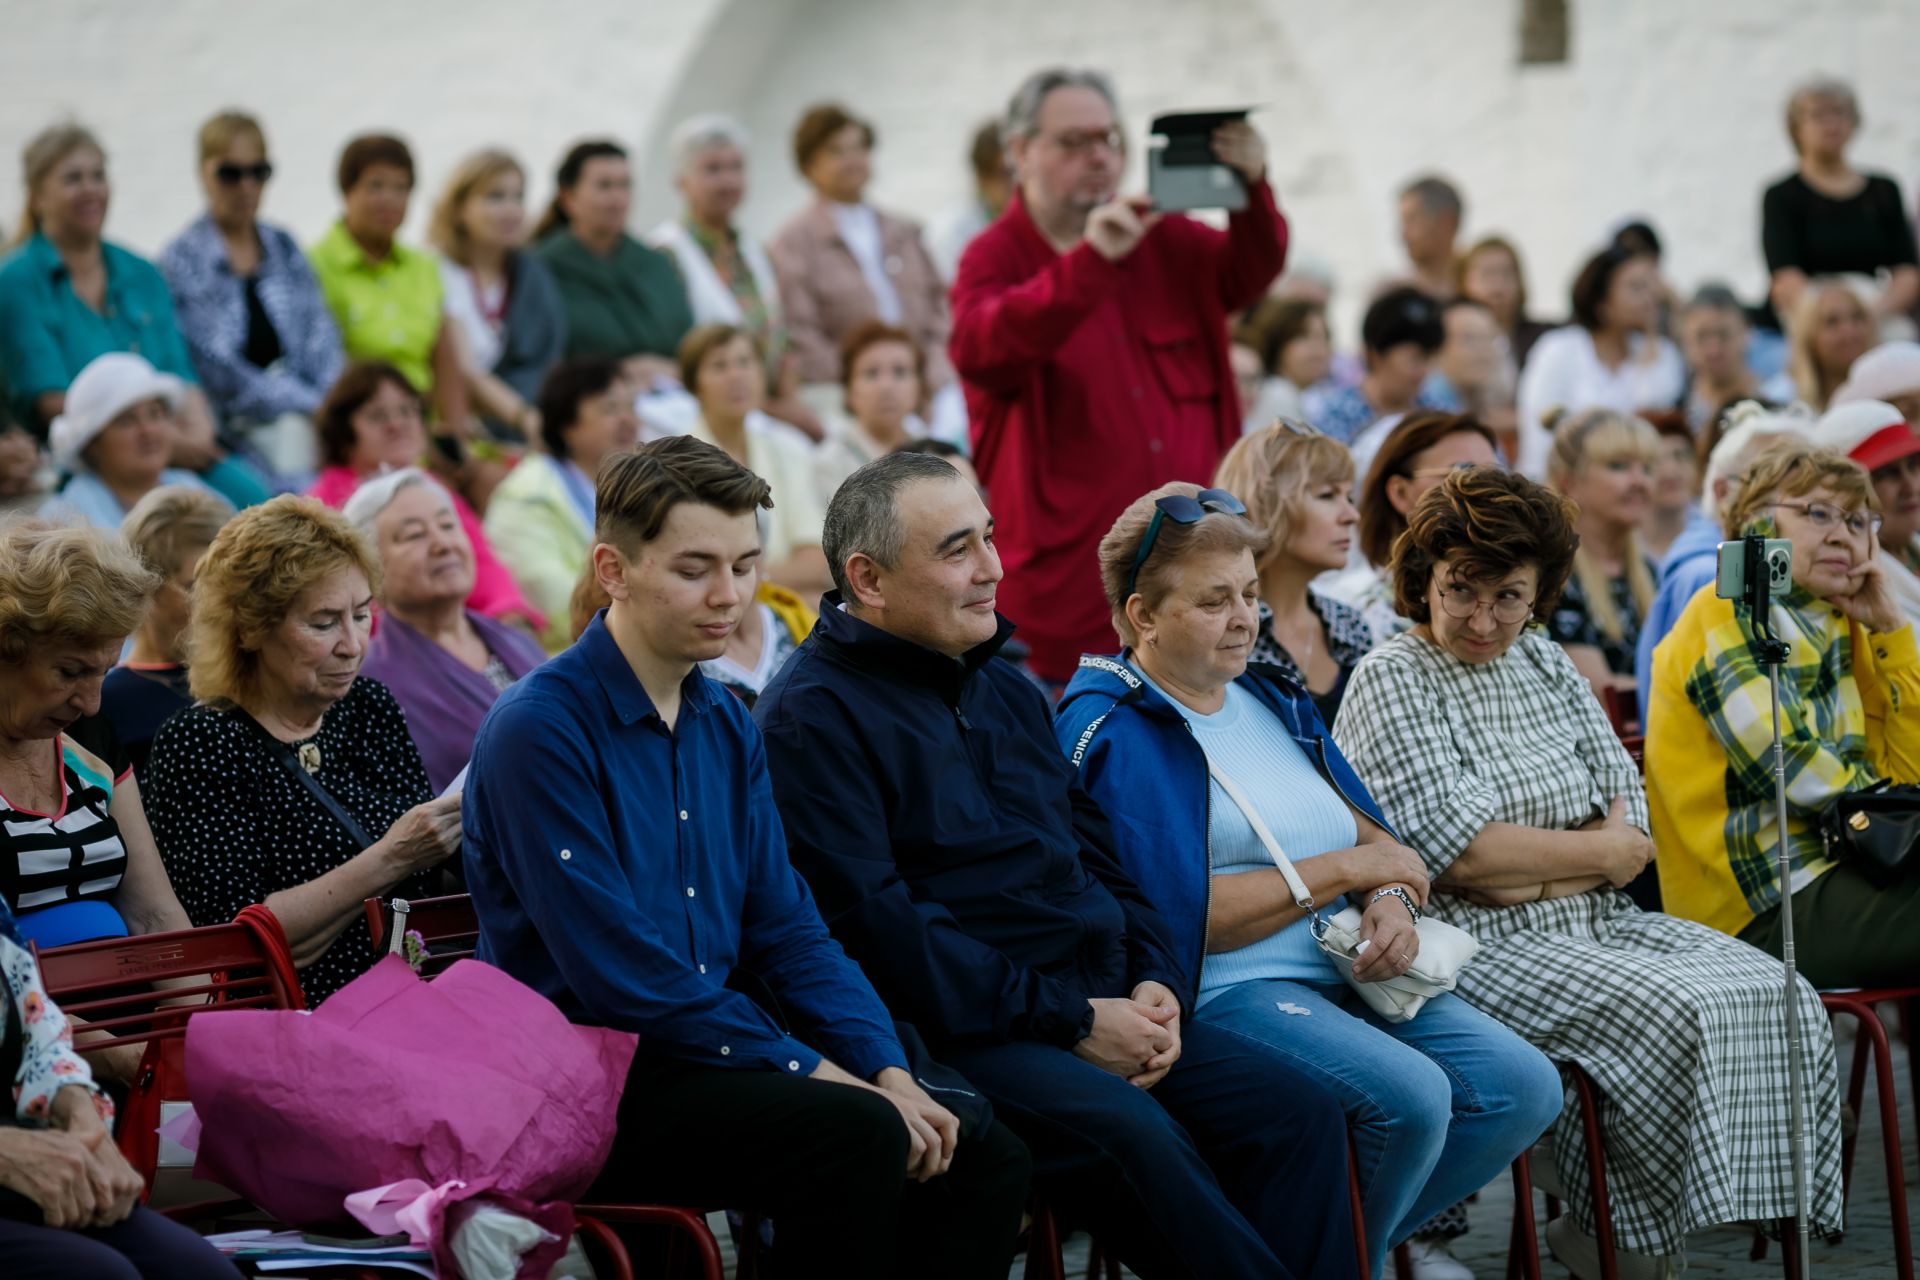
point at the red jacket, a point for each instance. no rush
(1091, 382)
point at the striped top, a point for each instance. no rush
(71, 854)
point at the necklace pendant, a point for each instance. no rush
(310, 757)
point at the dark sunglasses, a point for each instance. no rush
(232, 175)
(1180, 509)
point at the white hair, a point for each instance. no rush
(699, 133)
(1751, 427)
(376, 495)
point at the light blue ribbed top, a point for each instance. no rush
(1251, 745)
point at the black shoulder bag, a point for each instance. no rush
(1875, 829)
(290, 761)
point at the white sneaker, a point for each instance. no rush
(1432, 1261)
(1579, 1253)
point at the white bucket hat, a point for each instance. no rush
(107, 387)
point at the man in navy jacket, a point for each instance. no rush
(625, 859)
(952, 851)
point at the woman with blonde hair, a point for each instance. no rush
(1297, 485)
(77, 860)
(1829, 329)
(250, 309)
(293, 781)
(67, 297)
(170, 530)
(503, 308)
(1604, 461)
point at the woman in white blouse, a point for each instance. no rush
(1605, 359)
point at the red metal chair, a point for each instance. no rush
(1871, 1042)
(450, 929)
(109, 984)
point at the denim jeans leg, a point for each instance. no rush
(1397, 1103)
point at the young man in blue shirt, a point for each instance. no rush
(956, 854)
(625, 858)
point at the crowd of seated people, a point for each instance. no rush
(644, 588)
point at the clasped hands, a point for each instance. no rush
(71, 1169)
(1135, 1037)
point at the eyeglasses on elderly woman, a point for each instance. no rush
(1823, 517)
(1463, 602)
(1180, 509)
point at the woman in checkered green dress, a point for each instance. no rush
(1491, 756)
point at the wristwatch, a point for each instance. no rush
(1395, 891)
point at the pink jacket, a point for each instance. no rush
(824, 296)
(494, 592)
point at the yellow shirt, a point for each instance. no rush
(1849, 716)
(387, 310)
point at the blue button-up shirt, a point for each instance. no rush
(623, 869)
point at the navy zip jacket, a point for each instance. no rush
(948, 844)
(1137, 756)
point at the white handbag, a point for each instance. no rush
(1444, 949)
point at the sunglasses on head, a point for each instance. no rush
(1180, 509)
(232, 175)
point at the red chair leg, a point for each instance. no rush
(604, 1249)
(1910, 1028)
(1523, 1250)
(689, 1227)
(1403, 1261)
(1856, 1093)
(1359, 1219)
(1876, 1033)
(1043, 1247)
(1789, 1249)
(1596, 1172)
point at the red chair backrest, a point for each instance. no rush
(109, 984)
(448, 926)
(1623, 710)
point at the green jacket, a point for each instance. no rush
(632, 303)
(537, 532)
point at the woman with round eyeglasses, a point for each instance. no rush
(249, 307)
(1489, 754)
(1850, 718)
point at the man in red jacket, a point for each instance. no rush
(1091, 336)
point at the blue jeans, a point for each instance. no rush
(1438, 1106)
(1233, 1167)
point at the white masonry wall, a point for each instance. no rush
(1667, 108)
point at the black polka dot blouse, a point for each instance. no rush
(233, 826)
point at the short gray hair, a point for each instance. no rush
(1751, 426)
(700, 133)
(1023, 112)
(864, 516)
(376, 495)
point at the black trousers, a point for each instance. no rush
(1847, 932)
(826, 1162)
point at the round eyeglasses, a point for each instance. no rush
(1463, 602)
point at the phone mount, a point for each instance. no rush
(1767, 575)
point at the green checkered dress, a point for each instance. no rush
(1681, 1027)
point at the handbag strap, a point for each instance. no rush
(1302, 896)
(284, 753)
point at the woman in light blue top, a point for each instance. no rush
(1438, 1105)
(114, 438)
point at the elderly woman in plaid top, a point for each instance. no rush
(1850, 718)
(1491, 756)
